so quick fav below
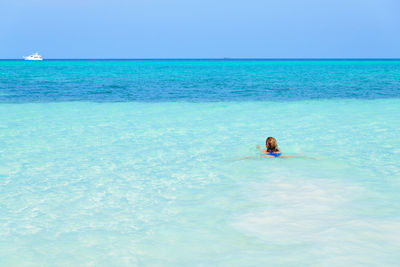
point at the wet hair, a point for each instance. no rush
(271, 144)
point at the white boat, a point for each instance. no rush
(35, 56)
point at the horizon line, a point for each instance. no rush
(222, 58)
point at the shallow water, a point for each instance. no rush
(159, 183)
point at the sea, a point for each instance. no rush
(154, 163)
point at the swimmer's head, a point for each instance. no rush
(271, 144)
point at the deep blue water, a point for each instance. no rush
(197, 80)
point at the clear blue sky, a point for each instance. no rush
(200, 28)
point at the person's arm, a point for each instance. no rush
(259, 148)
(289, 157)
(267, 156)
(244, 158)
(297, 157)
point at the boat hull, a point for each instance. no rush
(33, 59)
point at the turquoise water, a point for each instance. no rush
(197, 80)
(114, 181)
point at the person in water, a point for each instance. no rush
(272, 150)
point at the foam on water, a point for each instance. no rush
(157, 184)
